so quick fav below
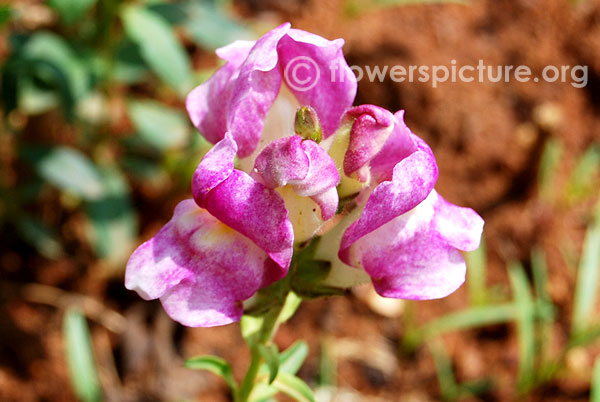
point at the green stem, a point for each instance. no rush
(265, 336)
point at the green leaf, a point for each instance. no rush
(327, 366)
(549, 163)
(250, 326)
(291, 359)
(445, 374)
(6, 13)
(525, 324)
(80, 357)
(158, 125)
(586, 289)
(42, 237)
(113, 220)
(129, 66)
(210, 28)
(263, 393)
(290, 305)
(52, 49)
(71, 170)
(294, 387)
(476, 273)
(595, 386)
(215, 365)
(474, 317)
(71, 11)
(584, 178)
(271, 356)
(159, 47)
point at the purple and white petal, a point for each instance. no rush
(401, 143)
(200, 268)
(242, 203)
(460, 227)
(303, 165)
(406, 259)
(371, 128)
(208, 103)
(327, 84)
(215, 167)
(281, 161)
(413, 180)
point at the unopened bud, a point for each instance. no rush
(307, 124)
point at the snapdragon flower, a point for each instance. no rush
(293, 166)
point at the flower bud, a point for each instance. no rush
(307, 124)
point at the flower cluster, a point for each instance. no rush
(292, 166)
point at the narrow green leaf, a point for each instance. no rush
(6, 13)
(586, 290)
(470, 318)
(215, 365)
(291, 359)
(71, 170)
(294, 387)
(584, 178)
(80, 357)
(210, 27)
(159, 47)
(595, 386)
(445, 374)
(476, 275)
(327, 366)
(71, 10)
(545, 308)
(549, 163)
(113, 220)
(42, 237)
(54, 50)
(158, 125)
(291, 304)
(263, 393)
(525, 324)
(250, 327)
(271, 356)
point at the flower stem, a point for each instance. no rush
(271, 321)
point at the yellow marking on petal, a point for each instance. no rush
(337, 151)
(303, 213)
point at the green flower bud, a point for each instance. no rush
(307, 124)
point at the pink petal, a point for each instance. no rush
(413, 179)
(237, 98)
(406, 258)
(281, 161)
(244, 204)
(371, 128)
(401, 143)
(302, 164)
(459, 227)
(331, 85)
(200, 269)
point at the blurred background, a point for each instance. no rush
(96, 150)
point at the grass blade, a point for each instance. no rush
(595, 386)
(525, 307)
(586, 290)
(445, 374)
(80, 357)
(476, 275)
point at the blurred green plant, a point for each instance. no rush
(80, 357)
(117, 72)
(531, 309)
